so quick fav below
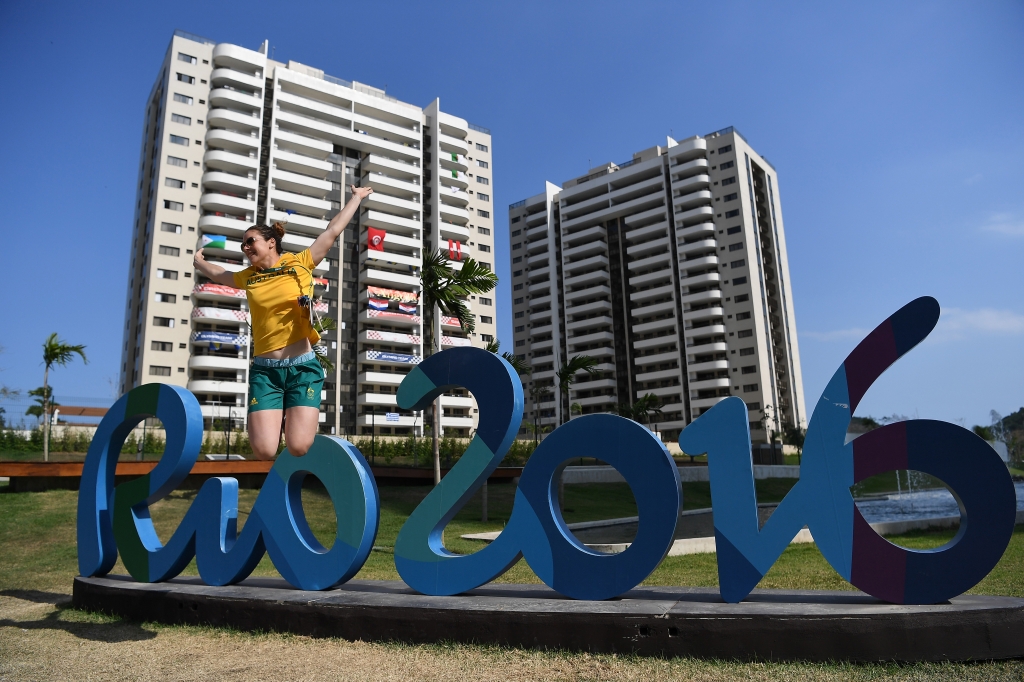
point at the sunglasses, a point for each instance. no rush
(247, 244)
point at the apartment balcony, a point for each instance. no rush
(668, 339)
(688, 201)
(220, 316)
(457, 401)
(596, 233)
(451, 144)
(229, 162)
(541, 345)
(314, 108)
(219, 180)
(457, 422)
(394, 318)
(584, 384)
(386, 131)
(655, 325)
(708, 330)
(235, 120)
(584, 206)
(220, 387)
(392, 167)
(227, 225)
(377, 400)
(369, 256)
(662, 392)
(540, 376)
(593, 337)
(698, 262)
(702, 246)
(538, 246)
(706, 384)
(232, 249)
(218, 362)
(586, 308)
(639, 208)
(538, 260)
(659, 374)
(283, 200)
(658, 214)
(296, 123)
(600, 261)
(225, 203)
(228, 76)
(303, 144)
(653, 292)
(295, 221)
(453, 213)
(654, 309)
(453, 196)
(701, 214)
(398, 244)
(639, 250)
(706, 346)
(235, 99)
(709, 295)
(388, 358)
(588, 292)
(380, 378)
(704, 403)
(706, 230)
(596, 400)
(389, 279)
(656, 359)
(537, 315)
(688, 149)
(452, 231)
(378, 419)
(539, 271)
(409, 341)
(650, 261)
(588, 323)
(453, 162)
(298, 183)
(595, 277)
(232, 141)
(690, 184)
(390, 221)
(537, 301)
(657, 229)
(709, 366)
(454, 342)
(453, 178)
(450, 323)
(703, 314)
(544, 286)
(688, 169)
(397, 187)
(663, 275)
(585, 249)
(239, 58)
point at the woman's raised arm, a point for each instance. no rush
(212, 270)
(319, 248)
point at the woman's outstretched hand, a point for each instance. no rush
(199, 259)
(361, 192)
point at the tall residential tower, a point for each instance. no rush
(671, 270)
(232, 138)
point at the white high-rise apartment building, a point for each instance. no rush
(671, 270)
(234, 138)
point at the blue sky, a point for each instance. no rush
(896, 128)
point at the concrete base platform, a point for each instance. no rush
(666, 621)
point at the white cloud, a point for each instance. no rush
(956, 323)
(1005, 223)
(837, 335)
(974, 179)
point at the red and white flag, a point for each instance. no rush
(454, 249)
(375, 238)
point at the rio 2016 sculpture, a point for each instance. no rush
(116, 519)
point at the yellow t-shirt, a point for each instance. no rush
(273, 294)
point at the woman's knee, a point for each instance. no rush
(298, 445)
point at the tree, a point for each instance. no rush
(566, 375)
(985, 432)
(55, 352)
(43, 397)
(518, 363)
(537, 395)
(444, 292)
(794, 435)
(576, 409)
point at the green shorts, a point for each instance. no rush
(290, 382)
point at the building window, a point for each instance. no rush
(481, 147)
(745, 333)
(749, 369)
(520, 314)
(175, 161)
(518, 287)
(483, 197)
(517, 246)
(726, 148)
(517, 259)
(161, 346)
(187, 58)
(521, 328)
(733, 230)
(484, 248)
(518, 301)
(485, 301)
(733, 213)
(482, 180)
(166, 298)
(513, 222)
(731, 197)
(517, 273)
(727, 165)
(178, 118)
(174, 205)
(486, 319)
(520, 342)
(741, 298)
(166, 274)
(485, 265)
(486, 338)
(169, 250)
(737, 264)
(178, 139)
(739, 280)
(729, 181)
(749, 388)
(176, 184)
(183, 99)
(742, 316)
(163, 322)
(736, 247)
(754, 406)
(483, 214)
(483, 230)
(482, 164)
(170, 227)
(746, 351)
(185, 78)
(158, 371)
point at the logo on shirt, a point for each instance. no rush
(309, 392)
(254, 402)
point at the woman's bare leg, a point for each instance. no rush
(300, 429)
(265, 432)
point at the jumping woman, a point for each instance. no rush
(285, 379)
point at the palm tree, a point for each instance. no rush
(43, 397)
(575, 408)
(55, 352)
(518, 363)
(567, 374)
(642, 410)
(444, 290)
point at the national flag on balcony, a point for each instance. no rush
(214, 241)
(454, 249)
(378, 303)
(455, 157)
(375, 238)
(391, 416)
(322, 282)
(408, 308)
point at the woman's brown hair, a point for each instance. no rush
(275, 232)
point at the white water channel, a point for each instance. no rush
(924, 504)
